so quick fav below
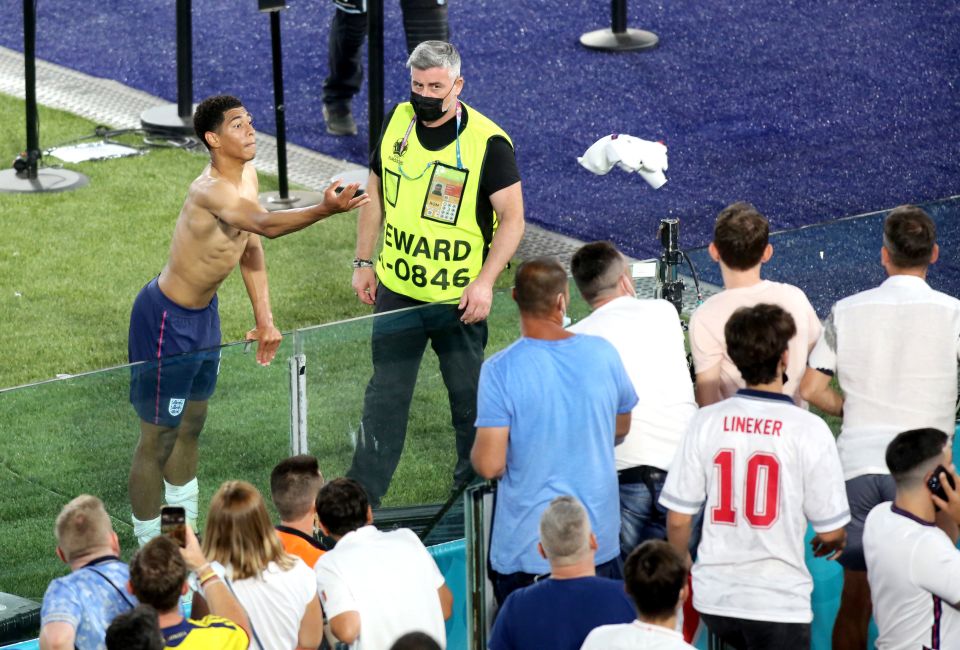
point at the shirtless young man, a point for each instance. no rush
(218, 228)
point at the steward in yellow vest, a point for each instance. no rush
(445, 196)
(435, 235)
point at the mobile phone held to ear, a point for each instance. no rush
(934, 484)
(173, 524)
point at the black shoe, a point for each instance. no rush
(339, 120)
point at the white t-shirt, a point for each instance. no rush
(914, 574)
(390, 579)
(649, 339)
(276, 602)
(634, 636)
(708, 345)
(764, 467)
(894, 349)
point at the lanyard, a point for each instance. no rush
(406, 136)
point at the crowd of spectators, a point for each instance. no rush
(628, 484)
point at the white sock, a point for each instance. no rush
(145, 530)
(185, 496)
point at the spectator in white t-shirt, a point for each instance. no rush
(741, 247)
(912, 565)
(762, 468)
(375, 586)
(655, 576)
(277, 590)
(649, 338)
(893, 350)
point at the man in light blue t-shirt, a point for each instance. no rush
(549, 410)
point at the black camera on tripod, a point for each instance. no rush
(669, 283)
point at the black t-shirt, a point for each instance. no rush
(499, 164)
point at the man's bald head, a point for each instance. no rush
(538, 283)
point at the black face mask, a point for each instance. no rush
(428, 109)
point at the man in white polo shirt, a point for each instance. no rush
(894, 351)
(912, 565)
(648, 336)
(375, 586)
(761, 467)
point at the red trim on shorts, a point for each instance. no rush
(156, 414)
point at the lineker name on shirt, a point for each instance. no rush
(759, 426)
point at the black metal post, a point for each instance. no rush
(30, 74)
(177, 117)
(618, 16)
(282, 199)
(375, 63)
(619, 37)
(279, 109)
(26, 175)
(184, 59)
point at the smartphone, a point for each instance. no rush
(934, 485)
(173, 524)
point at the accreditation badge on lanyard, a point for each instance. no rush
(444, 193)
(445, 189)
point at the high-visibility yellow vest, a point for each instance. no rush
(433, 244)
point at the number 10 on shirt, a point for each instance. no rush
(761, 492)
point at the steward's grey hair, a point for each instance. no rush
(436, 54)
(565, 531)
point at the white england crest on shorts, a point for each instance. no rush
(176, 406)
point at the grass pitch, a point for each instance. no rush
(70, 267)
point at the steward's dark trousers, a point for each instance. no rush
(423, 20)
(398, 342)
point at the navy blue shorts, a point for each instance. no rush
(163, 335)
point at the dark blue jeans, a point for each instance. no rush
(641, 515)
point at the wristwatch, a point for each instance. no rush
(358, 263)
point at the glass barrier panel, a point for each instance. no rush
(832, 260)
(66, 437)
(359, 426)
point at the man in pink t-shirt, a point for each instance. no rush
(741, 246)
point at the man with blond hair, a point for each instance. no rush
(78, 608)
(559, 610)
